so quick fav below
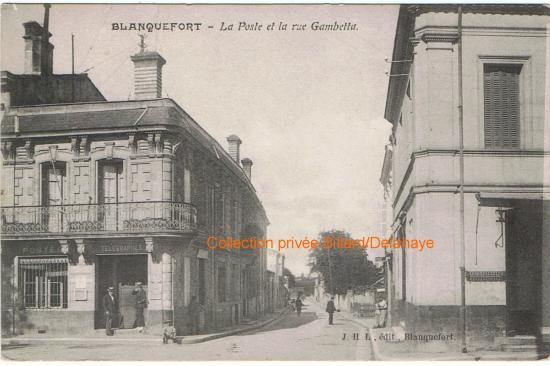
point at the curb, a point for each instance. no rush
(235, 331)
(376, 356)
(149, 339)
(8, 341)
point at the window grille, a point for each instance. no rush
(43, 282)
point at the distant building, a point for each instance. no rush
(305, 286)
(506, 208)
(98, 193)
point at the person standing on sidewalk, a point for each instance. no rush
(141, 304)
(380, 313)
(109, 310)
(330, 310)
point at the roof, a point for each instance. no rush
(29, 89)
(517, 9)
(92, 120)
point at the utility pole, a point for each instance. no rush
(72, 68)
(461, 188)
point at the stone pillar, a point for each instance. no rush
(81, 291)
(166, 282)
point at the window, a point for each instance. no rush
(110, 181)
(501, 84)
(223, 219)
(234, 218)
(222, 278)
(43, 282)
(235, 281)
(54, 193)
(186, 185)
(54, 181)
(211, 207)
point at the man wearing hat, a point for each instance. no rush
(141, 304)
(330, 310)
(109, 309)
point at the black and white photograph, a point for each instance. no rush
(275, 182)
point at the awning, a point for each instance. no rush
(508, 198)
(50, 260)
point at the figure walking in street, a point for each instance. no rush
(195, 309)
(330, 310)
(380, 313)
(299, 305)
(141, 304)
(109, 310)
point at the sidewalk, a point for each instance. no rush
(132, 335)
(271, 318)
(400, 350)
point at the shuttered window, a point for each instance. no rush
(501, 101)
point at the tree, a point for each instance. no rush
(342, 269)
(291, 277)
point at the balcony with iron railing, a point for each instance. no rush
(125, 217)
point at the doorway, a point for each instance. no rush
(120, 272)
(523, 268)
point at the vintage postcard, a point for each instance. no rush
(275, 182)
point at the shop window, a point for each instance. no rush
(43, 282)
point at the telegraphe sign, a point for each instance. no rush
(108, 248)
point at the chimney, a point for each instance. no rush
(36, 61)
(247, 167)
(148, 74)
(234, 147)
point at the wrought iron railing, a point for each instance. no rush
(147, 216)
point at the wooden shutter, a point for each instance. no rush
(501, 101)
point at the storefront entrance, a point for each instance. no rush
(524, 268)
(120, 272)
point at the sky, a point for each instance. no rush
(308, 105)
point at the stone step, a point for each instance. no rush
(519, 347)
(516, 340)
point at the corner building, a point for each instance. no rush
(506, 184)
(100, 193)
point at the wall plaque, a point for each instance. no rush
(486, 276)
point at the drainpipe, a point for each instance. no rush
(461, 189)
